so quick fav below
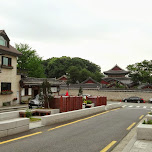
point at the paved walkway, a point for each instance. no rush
(131, 144)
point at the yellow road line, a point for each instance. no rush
(81, 120)
(108, 146)
(131, 126)
(115, 109)
(77, 121)
(141, 116)
(3, 142)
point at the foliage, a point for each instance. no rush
(28, 113)
(148, 122)
(141, 72)
(34, 119)
(80, 91)
(45, 93)
(30, 61)
(88, 101)
(76, 69)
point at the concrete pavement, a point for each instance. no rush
(131, 144)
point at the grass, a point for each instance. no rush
(34, 119)
(147, 122)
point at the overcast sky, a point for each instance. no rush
(106, 32)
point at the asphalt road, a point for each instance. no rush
(89, 135)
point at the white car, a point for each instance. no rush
(150, 100)
(35, 102)
(86, 95)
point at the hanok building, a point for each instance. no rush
(30, 87)
(116, 78)
(9, 80)
(63, 79)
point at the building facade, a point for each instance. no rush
(9, 80)
(116, 78)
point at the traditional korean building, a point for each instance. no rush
(116, 77)
(30, 87)
(63, 79)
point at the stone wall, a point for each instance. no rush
(113, 95)
(10, 76)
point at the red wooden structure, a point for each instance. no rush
(70, 103)
(98, 101)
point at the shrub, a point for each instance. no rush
(89, 102)
(28, 113)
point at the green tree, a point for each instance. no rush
(30, 61)
(56, 67)
(73, 74)
(141, 72)
(45, 93)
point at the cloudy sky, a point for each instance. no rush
(106, 32)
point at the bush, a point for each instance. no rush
(28, 113)
(89, 102)
(148, 122)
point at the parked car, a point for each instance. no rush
(35, 102)
(86, 95)
(134, 99)
(150, 100)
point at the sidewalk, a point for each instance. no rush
(13, 108)
(131, 144)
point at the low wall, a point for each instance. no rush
(144, 132)
(66, 116)
(10, 123)
(113, 95)
(113, 106)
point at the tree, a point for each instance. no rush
(80, 91)
(73, 74)
(30, 61)
(45, 93)
(56, 67)
(141, 72)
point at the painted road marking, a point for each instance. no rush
(137, 106)
(108, 146)
(124, 106)
(131, 126)
(141, 116)
(144, 107)
(150, 107)
(81, 119)
(130, 106)
(7, 141)
(77, 121)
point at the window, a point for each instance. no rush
(6, 61)
(3, 41)
(5, 86)
(26, 91)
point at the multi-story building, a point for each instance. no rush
(9, 80)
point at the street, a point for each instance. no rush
(97, 133)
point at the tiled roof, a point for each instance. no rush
(8, 50)
(11, 50)
(116, 70)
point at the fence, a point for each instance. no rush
(70, 103)
(98, 101)
(65, 103)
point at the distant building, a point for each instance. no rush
(63, 79)
(9, 80)
(116, 77)
(30, 87)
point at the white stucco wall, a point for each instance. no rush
(10, 76)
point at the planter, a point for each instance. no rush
(90, 105)
(144, 132)
(149, 117)
(6, 92)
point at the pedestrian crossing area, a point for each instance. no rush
(135, 106)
